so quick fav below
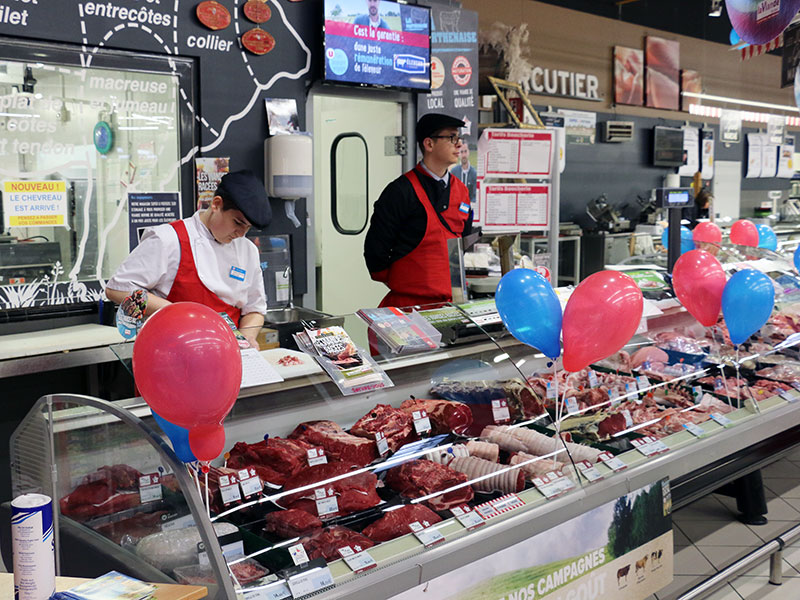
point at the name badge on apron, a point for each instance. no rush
(237, 273)
(464, 207)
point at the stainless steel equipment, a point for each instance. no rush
(606, 216)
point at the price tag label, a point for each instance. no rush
(660, 447)
(311, 581)
(467, 517)
(644, 447)
(613, 393)
(358, 559)
(249, 482)
(553, 484)
(572, 405)
(628, 418)
(788, 395)
(298, 554)
(316, 456)
(383, 445)
(150, 488)
(551, 391)
(721, 419)
(719, 384)
(429, 536)
(589, 471)
(643, 383)
(500, 411)
(229, 489)
(796, 385)
(327, 504)
(697, 392)
(611, 461)
(593, 379)
(277, 590)
(422, 424)
(695, 430)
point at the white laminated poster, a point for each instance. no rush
(786, 158)
(691, 148)
(516, 152)
(753, 155)
(776, 129)
(707, 154)
(556, 122)
(516, 206)
(769, 158)
(256, 370)
(580, 126)
(35, 204)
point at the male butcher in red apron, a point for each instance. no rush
(406, 244)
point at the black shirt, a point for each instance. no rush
(399, 221)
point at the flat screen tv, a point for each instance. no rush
(378, 43)
(668, 147)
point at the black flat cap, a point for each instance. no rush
(429, 124)
(247, 192)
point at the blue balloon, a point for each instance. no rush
(530, 310)
(797, 258)
(767, 238)
(747, 303)
(687, 243)
(178, 436)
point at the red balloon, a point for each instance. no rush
(707, 232)
(698, 279)
(207, 441)
(744, 233)
(187, 365)
(601, 316)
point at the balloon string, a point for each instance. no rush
(193, 469)
(557, 411)
(738, 382)
(208, 506)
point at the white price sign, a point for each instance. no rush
(229, 489)
(298, 554)
(551, 391)
(316, 456)
(150, 488)
(422, 424)
(467, 517)
(788, 395)
(383, 445)
(357, 559)
(721, 419)
(277, 590)
(572, 405)
(643, 383)
(310, 581)
(429, 536)
(500, 411)
(249, 482)
(611, 461)
(649, 446)
(694, 429)
(593, 379)
(589, 471)
(327, 504)
(553, 484)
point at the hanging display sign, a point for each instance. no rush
(707, 154)
(754, 149)
(730, 126)
(147, 209)
(516, 206)
(691, 149)
(35, 204)
(515, 153)
(556, 121)
(580, 125)
(786, 158)
(624, 552)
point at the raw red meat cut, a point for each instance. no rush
(115, 503)
(418, 478)
(130, 531)
(290, 523)
(326, 542)
(533, 467)
(107, 490)
(395, 523)
(274, 459)
(648, 354)
(509, 481)
(353, 493)
(338, 444)
(610, 425)
(397, 425)
(445, 416)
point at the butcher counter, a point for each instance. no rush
(79, 435)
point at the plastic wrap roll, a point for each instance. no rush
(33, 546)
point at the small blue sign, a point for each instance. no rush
(237, 273)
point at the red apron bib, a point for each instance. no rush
(187, 286)
(423, 275)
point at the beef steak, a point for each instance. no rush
(338, 444)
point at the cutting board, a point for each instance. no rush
(307, 366)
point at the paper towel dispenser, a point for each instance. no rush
(288, 166)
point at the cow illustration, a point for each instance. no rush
(623, 574)
(641, 564)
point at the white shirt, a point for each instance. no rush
(445, 177)
(153, 266)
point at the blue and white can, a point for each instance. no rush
(33, 546)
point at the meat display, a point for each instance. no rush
(325, 543)
(649, 354)
(289, 361)
(245, 572)
(394, 523)
(106, 491)
(784, 372)
(444, 456)
(535, 468)
(176, 548)
(445, 416)
(418, 478)
(274, 459)
(522, 439)
(353, 493)
(506, 481)
(290, 523)
(669, 340)
(485, 450)
(128, 532)
(338, 444)
(397, 425)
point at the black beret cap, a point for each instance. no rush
(429, 124)
(247, 192)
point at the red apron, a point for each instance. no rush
(187, 286)
(423, 275)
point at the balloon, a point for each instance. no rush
(757, 21)
(766, 237)
(601, 316)
(178, 436)
(747, 303)
(744, 233)
(707, 232)
(686, 239)
(187, 366)
(530, 310)
(698, 280)
(207, 441)
(797, 258)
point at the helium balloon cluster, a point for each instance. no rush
(187, 366)
(687, 243)
(767, 238)
(744, 233)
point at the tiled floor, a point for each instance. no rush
(708, 537)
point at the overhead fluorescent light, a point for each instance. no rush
(740, 101)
